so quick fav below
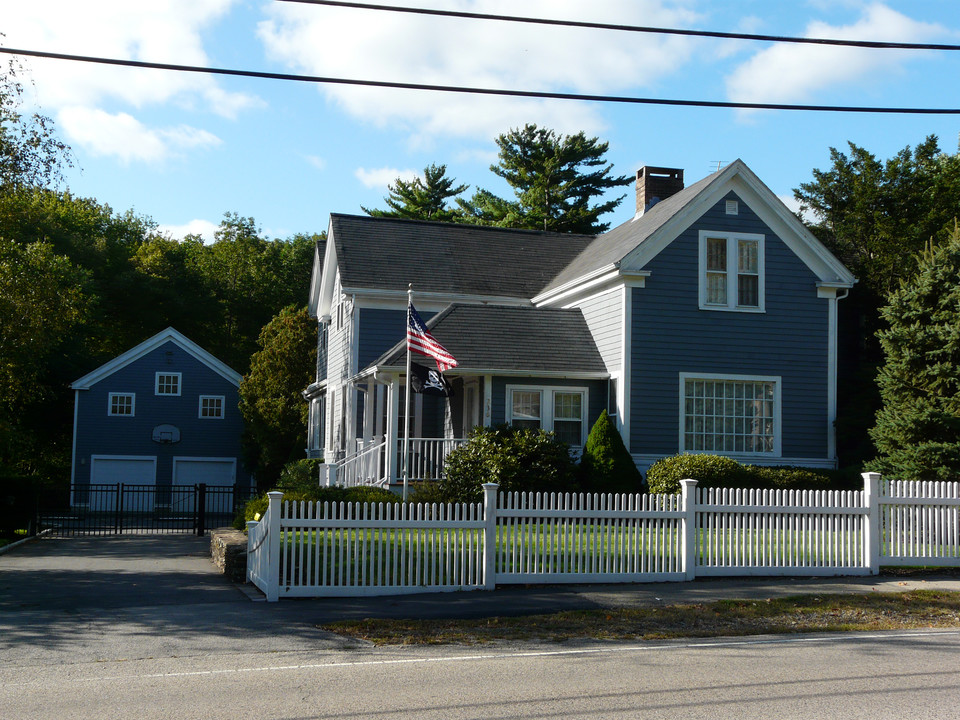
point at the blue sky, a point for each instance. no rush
(184, 149)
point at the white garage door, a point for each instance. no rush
(213, 471)
(129, 470)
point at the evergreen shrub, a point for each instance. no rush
(713, 471)
(606, 465)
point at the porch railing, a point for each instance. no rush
(367, 466)
(427, 456)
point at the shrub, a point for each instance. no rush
(517, 459)
(360, 494)
(300, 476)
(665, 475)
(606, 465)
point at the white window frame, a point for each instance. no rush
(732, 272)
(223, 407)
(156, 384)
(547, 408)
(775, 380)
(133, 404)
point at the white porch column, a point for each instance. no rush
(487, 411)
(393, 411)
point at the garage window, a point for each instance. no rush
(168, 383)
(121, 404)
(211, 406)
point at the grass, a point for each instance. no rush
(800, 614)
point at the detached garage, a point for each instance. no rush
(164, 414)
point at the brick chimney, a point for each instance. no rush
(655, 184)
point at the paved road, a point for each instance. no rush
(140, 626)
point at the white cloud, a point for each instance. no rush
(169, 31)
(418, 49)
(382, 177)
(318, 162)
(123, 136)
(203, 228)
(795, 73)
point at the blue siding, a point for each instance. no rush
(100, 434)
(672, 335)
(380, 330)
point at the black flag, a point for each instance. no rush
(428, 381)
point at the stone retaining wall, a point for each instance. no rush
(228, 551)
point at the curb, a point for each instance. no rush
(18, 543)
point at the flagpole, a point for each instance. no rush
(406, 403)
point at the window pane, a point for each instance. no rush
(748, 290)
(569, 432)
(526, 409)
(748, 260)
(717, 254)
(567, 406)
(168, 384)
(716, 289)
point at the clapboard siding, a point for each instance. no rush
(380, 330)
(604, 316)
(670, 335)
(100, 434)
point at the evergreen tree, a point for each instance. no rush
(606, 464)
(556, 180)
(422, 198)
(917, 431)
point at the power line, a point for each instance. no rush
(873, 44)
(464, 90)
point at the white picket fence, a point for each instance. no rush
(352, 549)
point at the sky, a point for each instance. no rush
(184, 149)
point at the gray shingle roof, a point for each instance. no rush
(495, 337)
(613, 246)
(387, 254)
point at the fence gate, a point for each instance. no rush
(121, 508)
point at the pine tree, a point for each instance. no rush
(917, 431)
(422, 198)
(556, 180)
(606, 464)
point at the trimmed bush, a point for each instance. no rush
(606, 465)
(665, 475)
(517, 459)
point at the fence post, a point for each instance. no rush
(273, 545)
(490, 535)
(872, 530)
(251, 524)
(688, 539)
(118, 514)
(201, 520)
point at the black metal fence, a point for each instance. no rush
(121, 508)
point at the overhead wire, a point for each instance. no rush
(466, 90)
(872, 44)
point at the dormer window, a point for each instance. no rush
(731, 272)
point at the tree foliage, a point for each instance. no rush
(917, 432)
(422, 198)
(606, 464)
(270, 394)
(557, 181)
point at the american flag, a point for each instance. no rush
(420, 340)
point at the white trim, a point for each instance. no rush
(832, 307)
(148, 346)
(777, 382)
(73, 462)
(156, 383)
(626, 359)
(218, 460)
(223, 407)
(732, 271)
(133, 404)
(547, 418)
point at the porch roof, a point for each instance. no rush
(493, 338)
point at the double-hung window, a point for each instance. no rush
(731, 271)
(561, 410)
(730, 415)
(168, 384)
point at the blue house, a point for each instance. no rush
(707, 323)
(163, 413)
